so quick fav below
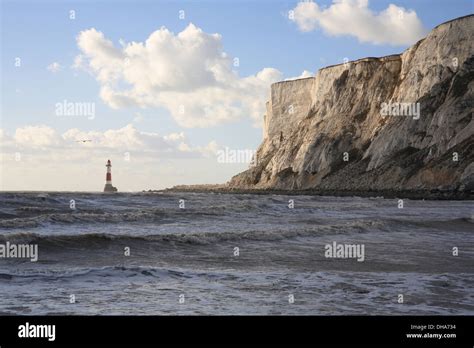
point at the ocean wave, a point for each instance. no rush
(46, 216)
(193, 238)
(448, 225)
(17, 198)
(83, 217)
(273, 232)
(105, 271)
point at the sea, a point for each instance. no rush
(163, 253)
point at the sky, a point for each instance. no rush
(164, 88)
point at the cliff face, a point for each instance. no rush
(332, 131)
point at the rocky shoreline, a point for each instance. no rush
(388, 194)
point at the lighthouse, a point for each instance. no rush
(108, 179)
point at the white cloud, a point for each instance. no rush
(395, 25)
(187, 73)
(36, 136)
(174, 136)
(306, 74)
(43, 138)
(303, 75)
(54, 67)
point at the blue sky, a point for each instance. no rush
(259, 33)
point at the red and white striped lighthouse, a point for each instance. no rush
(108, 179)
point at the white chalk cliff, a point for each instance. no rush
(327, 131)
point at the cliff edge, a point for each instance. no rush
(402, 122)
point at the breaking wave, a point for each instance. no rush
(198, 238)
(105, 271)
